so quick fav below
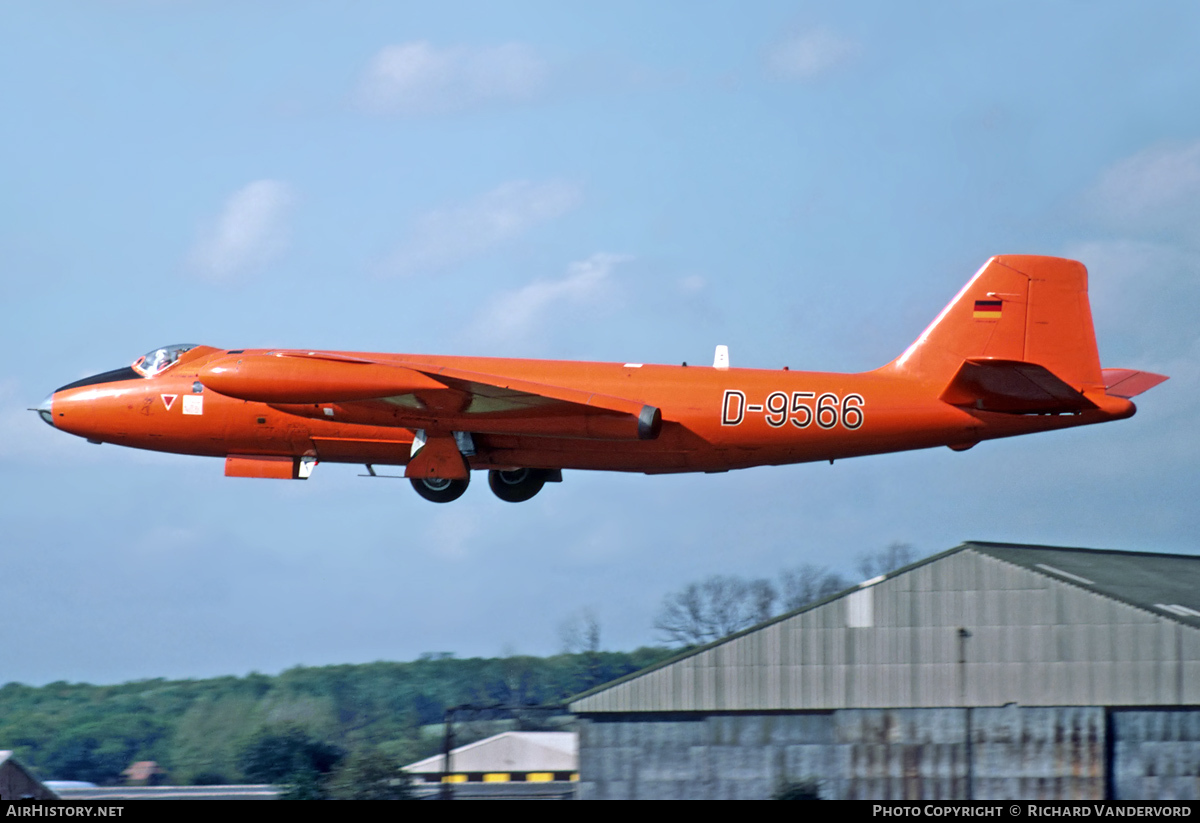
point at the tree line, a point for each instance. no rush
(344, 731)
(314, 720)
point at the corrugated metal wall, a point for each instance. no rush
(729, 757)
(898, 754)
(1023, 753)
(1156, 754)
(1033, 640)
(869, 754)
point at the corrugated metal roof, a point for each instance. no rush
(509, 752)
(1166, 584)
(1062, 626)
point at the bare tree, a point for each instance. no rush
(580, 633)
(723, 604)
(896, 555)
(763, 595)
(808, 584)
(718, 606)
(580, 637)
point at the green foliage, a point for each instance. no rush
(798, 790)
(101, 747)
(83, 756)
(198, 730)
(210, 734)
(276, 756)
(307, 785)
(209, 779)
(370, 775)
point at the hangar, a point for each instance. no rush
(16, 783)
(989, 671)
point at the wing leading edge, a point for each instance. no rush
(411, 395)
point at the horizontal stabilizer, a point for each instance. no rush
(1129, 383)
(1012, 386)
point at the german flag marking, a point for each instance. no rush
(988, 309)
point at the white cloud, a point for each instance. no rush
(1135, 264)
(1143, 260)
(250, 232)
(536, 304)
(417, 78)
(1156, 190)
(450, 235)
(1142, 296)
(808, 56)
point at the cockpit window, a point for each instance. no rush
(157, 361)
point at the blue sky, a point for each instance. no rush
(808, 183)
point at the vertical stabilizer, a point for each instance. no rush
(1016, 308)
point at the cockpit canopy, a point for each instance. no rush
(159, 360)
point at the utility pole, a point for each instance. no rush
(447, 792)
(963, 634)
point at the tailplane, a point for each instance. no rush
(1012, 386)
(1129, 383)
(1019, 338)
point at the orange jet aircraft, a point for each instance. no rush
(1013, 353)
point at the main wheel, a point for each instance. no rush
(518, 485)
(439, 490)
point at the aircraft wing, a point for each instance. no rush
(512, 405)
(378, 392)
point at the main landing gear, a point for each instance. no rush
(515, 486)
(439, 490)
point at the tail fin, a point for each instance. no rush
(1016, 308)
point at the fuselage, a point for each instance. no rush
(1013, 353)
(713, 419)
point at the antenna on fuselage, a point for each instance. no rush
(721, 358)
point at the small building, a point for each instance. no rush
(16, 783)
(143, 773)
(518, 764)
(990, 671)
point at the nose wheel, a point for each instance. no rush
(438, 490)
(518, 485)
